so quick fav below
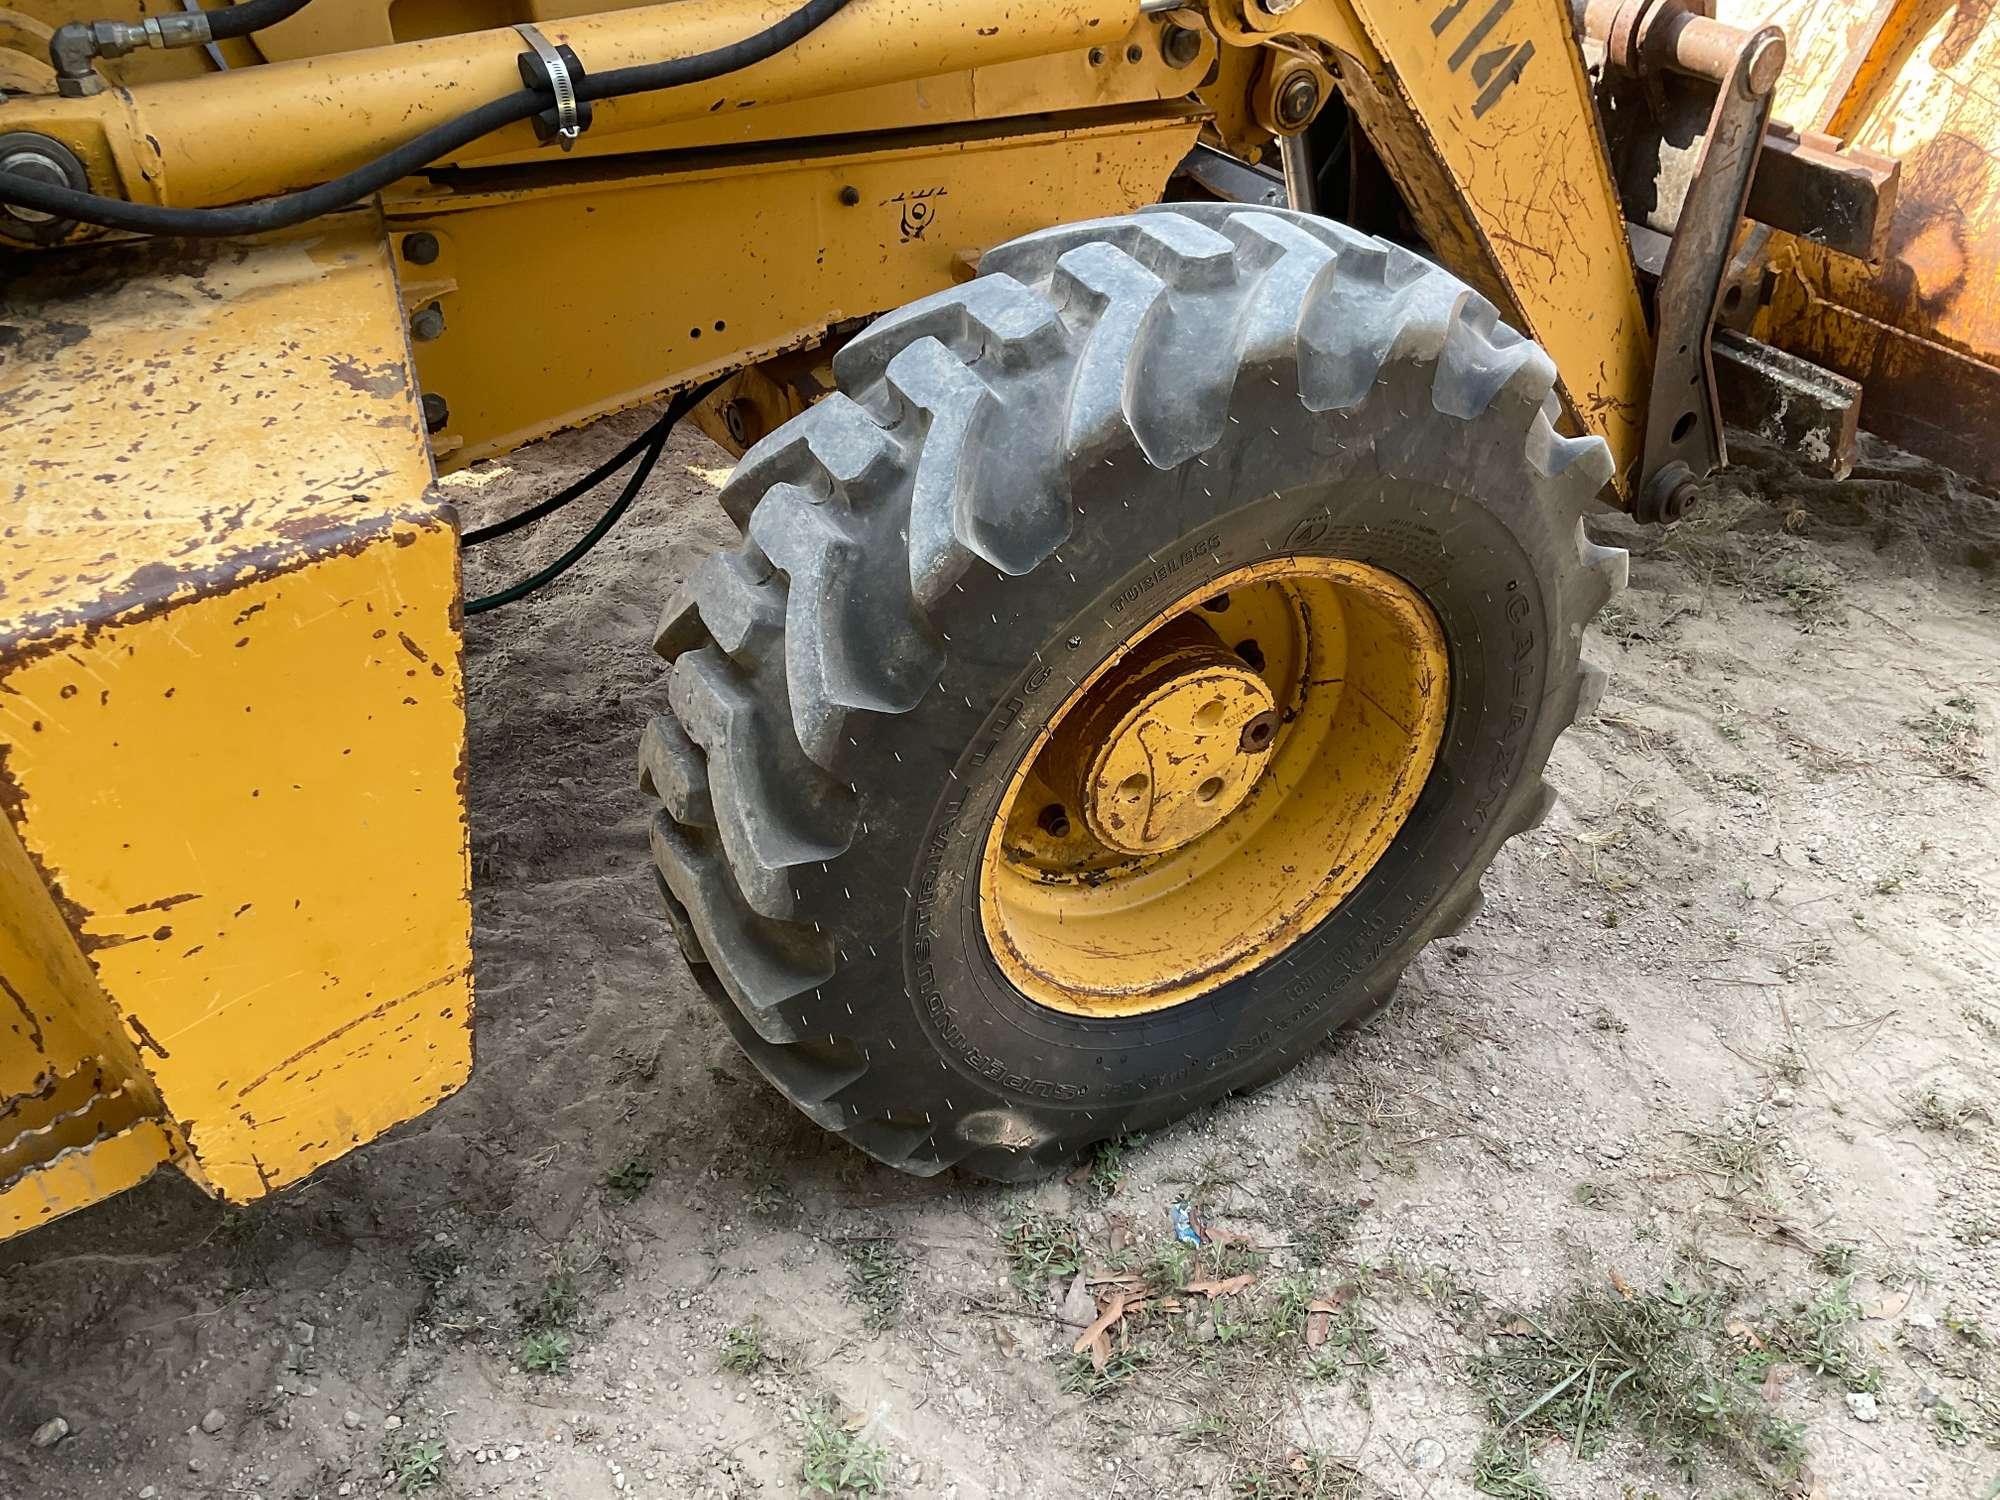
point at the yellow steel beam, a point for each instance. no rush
(790, 244)
(1482, 110)
(233, 917)
(253, 131)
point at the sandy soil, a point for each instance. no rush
(1723, 1042)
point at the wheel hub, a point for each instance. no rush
(1168, 743)
(1216, 787)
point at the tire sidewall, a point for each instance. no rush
(1483, 569)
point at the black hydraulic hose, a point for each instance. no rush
(643, 78)
(563, 497)
(251, 15)
(413, 155)
(654, 441)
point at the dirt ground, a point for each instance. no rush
(1673, 1175)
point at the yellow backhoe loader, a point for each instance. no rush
(1164, 433)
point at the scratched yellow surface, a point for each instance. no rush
(231, 716)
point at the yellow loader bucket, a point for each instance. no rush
(234, 932)
(1920, 329)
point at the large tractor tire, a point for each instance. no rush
(1121, 677)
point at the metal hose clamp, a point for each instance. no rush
(569, 123)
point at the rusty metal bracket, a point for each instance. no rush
(1825, 191)
(1694, 186)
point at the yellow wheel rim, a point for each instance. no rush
(1212, 792)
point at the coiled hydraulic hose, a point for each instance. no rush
(287, 209)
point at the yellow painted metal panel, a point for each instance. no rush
(182, 416)
(251, 803)
(231, 718)
(620, 311)
(53, 1017)
(81, 1176)
(1482, 111)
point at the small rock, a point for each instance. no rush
(1927, 1398)
(150, 1492)
(1427, 1454)
(510, 1453)
(213, 1420)
(1611, 1151)
(305, 1333)
(1783, 1096)
(51, 1432)
(1861, 1406)
(351, 1420)
(391, 1423)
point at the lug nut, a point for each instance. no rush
(1054, 821)
(1258, 734)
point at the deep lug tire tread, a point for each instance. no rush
(960, 424)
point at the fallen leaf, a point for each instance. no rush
(1519, 1328)
(1095, 1334)
(1219, 1288)
(1622, 1286)
(1318, 1324)
(1100, 1351)
(1743, 1333)
(1890, 1306)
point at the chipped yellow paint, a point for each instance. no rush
(82, 1176)
(1356, 663)
(1483, 113)
(231, 723)
(1912, 79)
(799, 257)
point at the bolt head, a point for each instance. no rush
(436, 412)
(1180, 45)
(427, 323)
(421, 248)
(1298, 101)
(1767, 64)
